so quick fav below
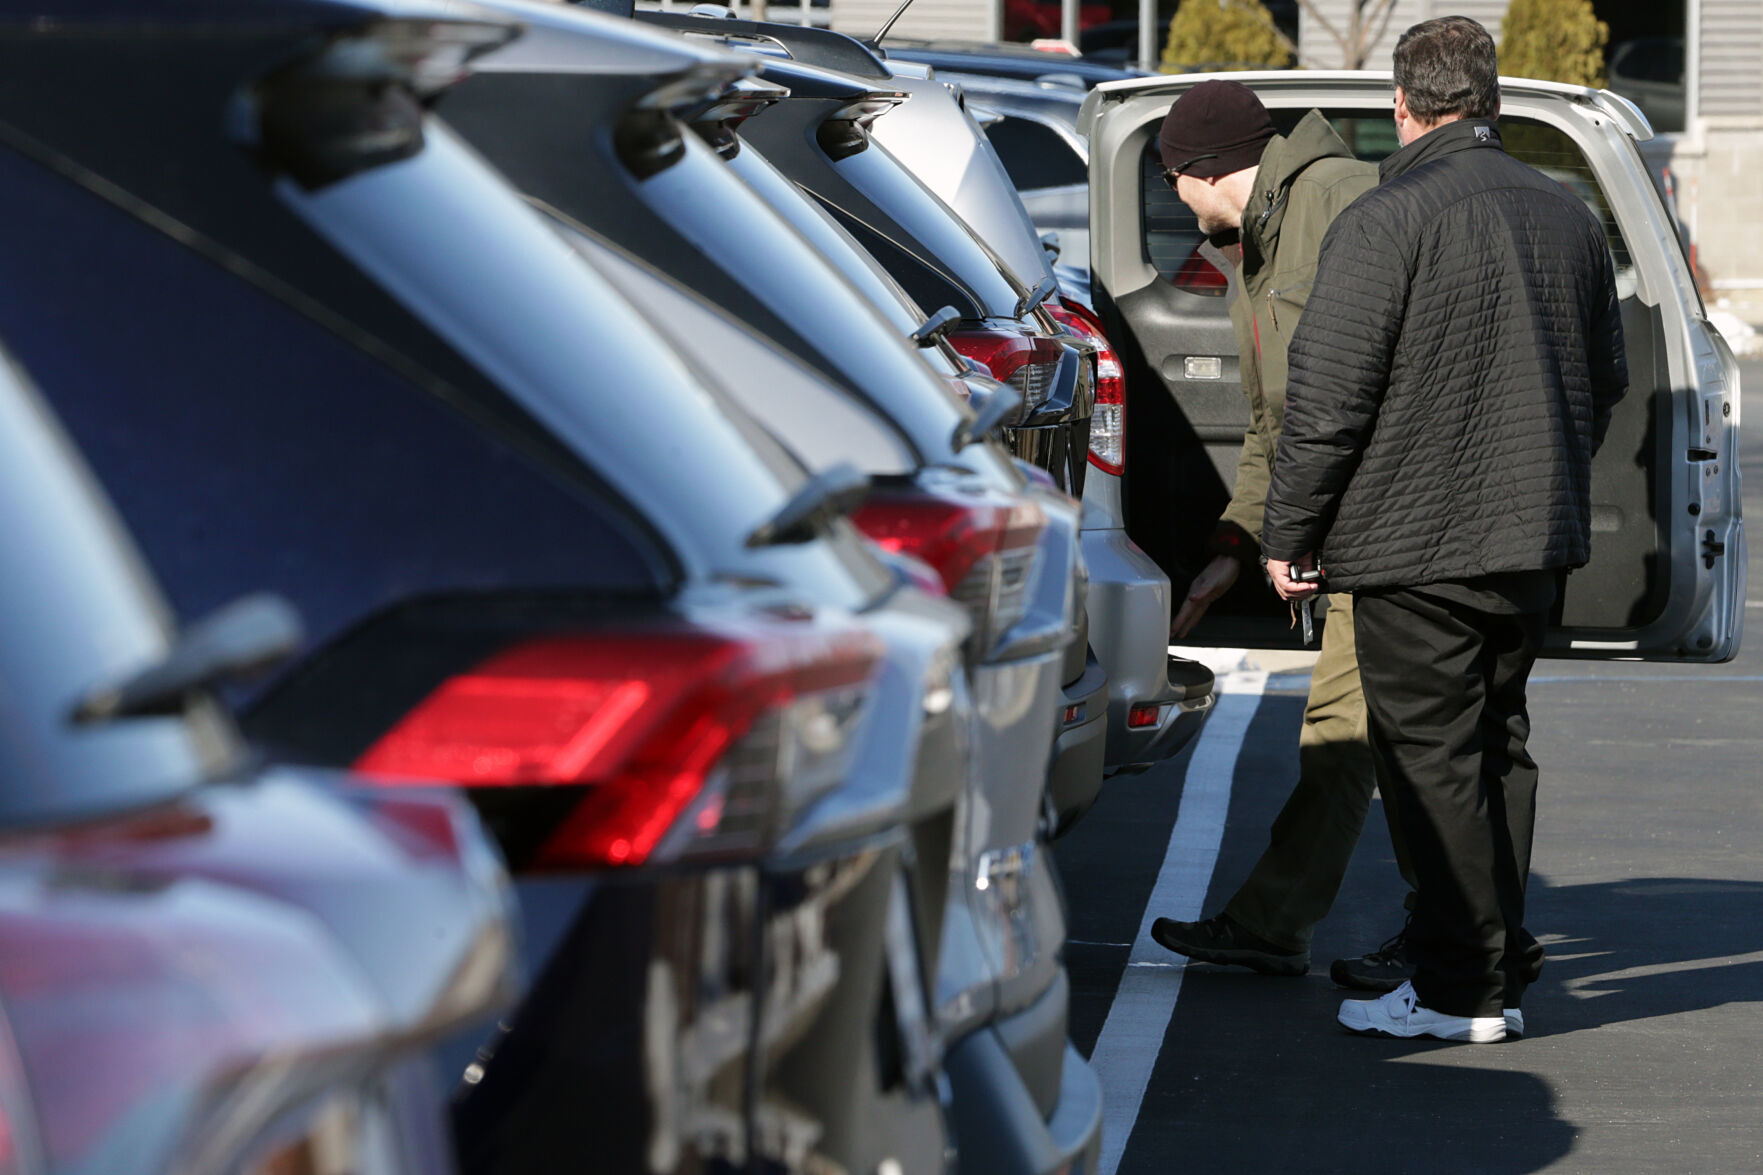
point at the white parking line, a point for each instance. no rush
(1126, 1052)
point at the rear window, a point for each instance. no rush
(1035, 155)
(818, 421)
(1171, 234)
(1171, 231)
(249, 448)
(1551, 152)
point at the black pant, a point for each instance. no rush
(1444, 687)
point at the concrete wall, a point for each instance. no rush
(1719, 179)
(1718, 164)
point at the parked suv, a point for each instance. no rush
(205, 965)
(1158, 701)
(1033, 128)
(1667, 571)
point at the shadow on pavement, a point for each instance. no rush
(1254, 1074)
(1257, 1077)
(1648, 947)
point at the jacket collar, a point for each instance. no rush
(1284, 160)
(1465, 134)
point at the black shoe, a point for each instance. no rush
(1385, 969)
(1222, 939)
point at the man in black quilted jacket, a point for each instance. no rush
(1450, 381)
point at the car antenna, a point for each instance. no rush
(898, 13)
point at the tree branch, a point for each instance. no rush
(1389, 11)
(1316, 14)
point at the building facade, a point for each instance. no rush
(1716, 161)
(964, 20)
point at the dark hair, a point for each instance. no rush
(1448, 66)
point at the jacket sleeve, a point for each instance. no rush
(1312, 208)
(1254, 471)
(1606, 356)
(1341, 356)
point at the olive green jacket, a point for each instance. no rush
(1304, 181)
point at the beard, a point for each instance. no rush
(1212, 224)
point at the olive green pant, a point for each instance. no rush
(1294, 883)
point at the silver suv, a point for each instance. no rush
(1667, 575)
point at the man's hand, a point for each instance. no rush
(1212, 582)
(1282, 574)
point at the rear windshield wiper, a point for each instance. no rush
(830, 494)
(241, 638)
(1036, 296)
(936, 326)
(998, 407)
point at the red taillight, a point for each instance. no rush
(951, 534)
(982, 546)
(644, 719)
(1108, 422)
(1199, 276)
(1027, 362)
(1143, 715)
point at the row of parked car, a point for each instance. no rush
(587, 414)
(672, 434)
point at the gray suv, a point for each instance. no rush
(1666, 580)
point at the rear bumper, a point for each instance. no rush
(1079, 753)
(1010, 1122)
(1129, 600)
(667, 972)
(1192, 686)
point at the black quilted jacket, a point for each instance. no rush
(1452, 375)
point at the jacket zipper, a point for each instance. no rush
(1272, 309)
(1274, 200)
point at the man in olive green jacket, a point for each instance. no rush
(1281, 193)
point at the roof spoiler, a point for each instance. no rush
(816, 46)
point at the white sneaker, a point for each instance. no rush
(1400, 1013)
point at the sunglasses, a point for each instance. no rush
(1170, 174)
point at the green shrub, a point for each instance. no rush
(1554, 41)
(1223, 34)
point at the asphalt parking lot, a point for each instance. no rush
(1643, 1036)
